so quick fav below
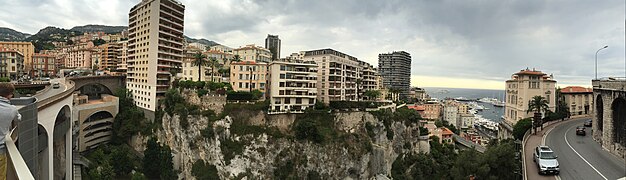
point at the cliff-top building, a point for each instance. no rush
(336, 76)
(520, 89)
(395, 69)
(292, 85)
(155, 49)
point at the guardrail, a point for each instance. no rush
(16, 166)
(524, 139)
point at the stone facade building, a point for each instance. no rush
(609, 120)
(579, 100)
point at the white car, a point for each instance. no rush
(56, 85)
(546, 160)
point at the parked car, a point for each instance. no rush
(580, 130)
(588, 123)
(56, 85)
(546, 160)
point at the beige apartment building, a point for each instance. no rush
(368, 79)
(292, 85)
(155, 48)
(520, 89)
(255, 53)
(579, 100)
(189, 70)
(26, 48)
(11, 63)
(248, 75)
(432, 110)
(336, 76)
(44, 65)
(123, 64)
(82, 54)
(110, 56)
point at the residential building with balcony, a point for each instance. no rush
(82, 55)
(249, 75)
(222, 48)
(110, 56)
(11, 63)
(26, 48)
(578, 99)
(123, 57)
(433, 111)
(520, 89)
(337, 74)
(395, 68)
(368, 79)
(94, 119)
(44, 65)
(292, 85)
(253, 53)
(155, 49)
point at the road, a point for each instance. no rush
(580, 157)
(52, 91)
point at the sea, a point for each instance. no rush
(491, 112)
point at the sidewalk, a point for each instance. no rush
(535, 140)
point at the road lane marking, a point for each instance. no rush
(543, 139)
(570, 146)
(557, 177)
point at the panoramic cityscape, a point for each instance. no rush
(237, 89)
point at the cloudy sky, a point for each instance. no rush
(473, 44)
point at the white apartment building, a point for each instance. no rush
(336, 76)
(198, 45)
(155, 48)
(292, 85)
(222, 48)
(520, 89)
(451, 114)
(253, 53)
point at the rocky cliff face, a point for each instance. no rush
(363, 150)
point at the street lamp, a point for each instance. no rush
(597, 59)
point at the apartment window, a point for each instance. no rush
(282, 76)
(262, 85)
(287, 100)
(277, 101)
(240, 85)
(281, 84)
(281, 92)
(298, 100)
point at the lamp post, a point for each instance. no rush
(597, 59)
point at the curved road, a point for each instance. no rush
(580, 157)
(51, 92)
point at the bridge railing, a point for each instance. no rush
(16, 166)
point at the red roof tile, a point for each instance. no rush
(418, 108)
(575, 89)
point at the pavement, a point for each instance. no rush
(580, 157)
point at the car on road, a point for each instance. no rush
(56, 85)
(588, 123)
(580, 130)
(546, 160)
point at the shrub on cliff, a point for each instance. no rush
(204, 171)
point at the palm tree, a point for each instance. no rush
(537, 104)
(200, 61)
(236, 58)
(213, 62)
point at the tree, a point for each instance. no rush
(98, 42)
(129, 121)
(213, 62)
(202, 170)
(372, 94)
(537, 104)
(562, 111)
(200, 60)
(236, 58)
(157, 161)
(520, 128)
